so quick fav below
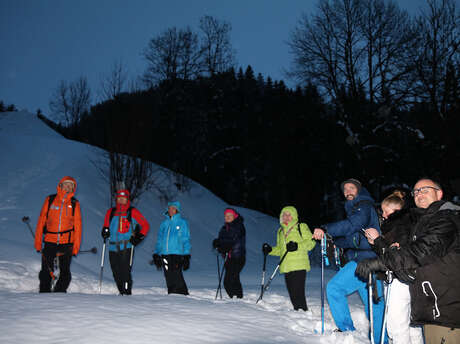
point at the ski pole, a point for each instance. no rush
(26, 220)
(387, 299)
(102, 266)
(265, 288)
(130, 264)
(324, 260)
(91, 250)
(263, 274)
(220, 275)
(371, 308)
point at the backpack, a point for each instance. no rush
(128, 214)
(73, 201)
(51, 198)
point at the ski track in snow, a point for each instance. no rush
(34, 158)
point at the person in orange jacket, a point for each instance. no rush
(59, 227)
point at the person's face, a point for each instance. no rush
(172, 211)
(122, 200)
(389, 208)
(286, 217)
(229, 217)
(426, 192)
(350, 191)
(67, 187)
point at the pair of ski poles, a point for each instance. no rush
(102, 265)
(371, 309)
(264, 287)
(220, 273)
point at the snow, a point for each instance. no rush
(33, 159)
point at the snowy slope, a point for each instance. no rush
(33, 159)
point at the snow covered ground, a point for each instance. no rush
(32, 161)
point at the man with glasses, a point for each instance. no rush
(430, 263)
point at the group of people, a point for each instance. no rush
(419, 247)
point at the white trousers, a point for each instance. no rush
(398, 317)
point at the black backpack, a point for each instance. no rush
(51, 198)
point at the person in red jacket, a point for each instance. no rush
(59, 227)
(125, 227)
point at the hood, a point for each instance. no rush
(293, 212)
(60, 191)
(175, 204)
(362, 195)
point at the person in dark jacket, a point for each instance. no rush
(172, 250)
(348, 234)
(231, 243)
(395, 233)
(430, 262)
(125, 227)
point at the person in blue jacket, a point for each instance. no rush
(172, 250)
(348, 234)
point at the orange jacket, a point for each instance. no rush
(61, 226)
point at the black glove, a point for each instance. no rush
(266, 249)
(157, 261)
(225, 247)
(366, 266)
(186, 262)
(136, 238)
(292, 246)
(105, 233)
(215, 244)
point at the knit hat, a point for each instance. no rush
(353, 181)
(231, 211)
(123, 193)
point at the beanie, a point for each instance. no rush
(231, 211)
(356, 182)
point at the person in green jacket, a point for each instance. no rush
(296, 239)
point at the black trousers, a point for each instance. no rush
(119, 262)
(46, 275)
(232, 283)
(172, 269)
(295, 283)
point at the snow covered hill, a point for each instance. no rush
(33, 159)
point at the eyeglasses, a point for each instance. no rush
(423, 190)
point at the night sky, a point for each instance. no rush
(45, 41)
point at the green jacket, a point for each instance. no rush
(296, 260)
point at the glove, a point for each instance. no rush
(225, 247)
(105, 233)
(215, 244)
(136, 238)
(367, 266)
(186, 262)
(292, 246)
(157, 261)
(266, 248)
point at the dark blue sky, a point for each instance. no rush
(45, 41)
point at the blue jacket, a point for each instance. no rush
(348, 233)
(173, 236)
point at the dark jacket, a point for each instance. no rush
(395, 229)
(432, 259)
(233, 235)
(348, 233)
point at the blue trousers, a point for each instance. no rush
(344, 283)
